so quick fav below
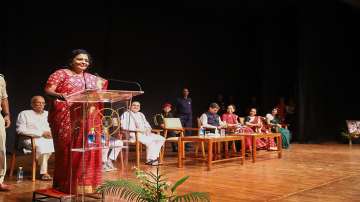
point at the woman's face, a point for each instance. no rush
(252, 112)
(274, 112)
(230, 109)
(80, 63)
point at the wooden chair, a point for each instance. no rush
(33, 153)
(138, 145)
(174, 124)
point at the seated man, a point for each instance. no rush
(211, 120)
(109, 157)
(159, 122)
(136, 121)
(35, 123)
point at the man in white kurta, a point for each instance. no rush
(35, 123)
(4, 123)
(135, 120)
(110, 155)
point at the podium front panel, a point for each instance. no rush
(96, 138)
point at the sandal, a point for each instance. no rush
(154, 162)
(46, 177)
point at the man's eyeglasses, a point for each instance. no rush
(43, 103)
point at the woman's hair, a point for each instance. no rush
(76, 52)
(233, 106)
(252, 109)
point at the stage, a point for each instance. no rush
(306, 172)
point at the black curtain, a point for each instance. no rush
(299, 49)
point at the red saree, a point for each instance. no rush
(68, 169)
(232, 119)
(260, 129)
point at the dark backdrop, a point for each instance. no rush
(300, 49)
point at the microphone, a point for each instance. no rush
(84, 80)
(123, 81)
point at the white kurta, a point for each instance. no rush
(137, 121)
(3, 95)
(31, 123)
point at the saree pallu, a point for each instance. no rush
(264, 141)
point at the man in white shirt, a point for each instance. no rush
(134, 120)
(109, 155)
(211, 120)
(35, 123)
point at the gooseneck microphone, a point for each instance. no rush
(123, 81)
(129, 82)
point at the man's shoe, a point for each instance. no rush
(153, 162)
(46, 177)
(105, 167)
(4, 187)
(110, 165)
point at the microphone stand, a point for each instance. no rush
(123, 81)
(129, 82)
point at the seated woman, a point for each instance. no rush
(255, 123)
(232, 122)
(273, 121)
(233, 125)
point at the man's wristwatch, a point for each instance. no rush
(5, 114)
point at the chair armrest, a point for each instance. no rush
(157, 131)
(174, 129)
(191, 129)
(129, 131)
(28, 136)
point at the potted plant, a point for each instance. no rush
(152, 187)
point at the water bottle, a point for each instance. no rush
(216, 131)
(202, 132)
(91, 137)
(20, 175)
(222, 132)
(103, 138)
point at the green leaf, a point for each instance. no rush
(178, 183)
(193, 196)
(123, 188)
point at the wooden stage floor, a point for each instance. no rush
(307, 172)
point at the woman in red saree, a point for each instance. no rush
(232, 122)
(60, 84)
(255, 123)
(233, 125)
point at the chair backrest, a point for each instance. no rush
(19, 143)
(198, 122)
(242, 120)
(353, 126)
(173, 123)
(156, 119)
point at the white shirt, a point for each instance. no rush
(135, 121)
(31, 123)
